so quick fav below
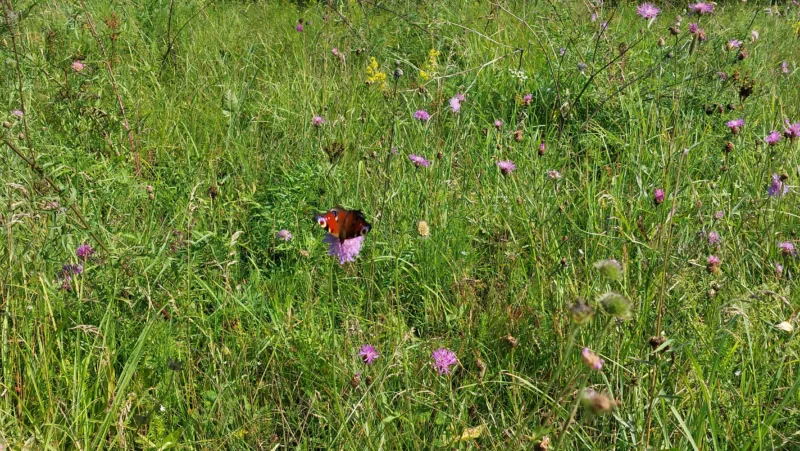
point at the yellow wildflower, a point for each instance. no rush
(429, 67)
(797, 29)
(374, 74)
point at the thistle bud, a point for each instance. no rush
(610, 269)
(596, 403)
(615, 305)
(580, 312)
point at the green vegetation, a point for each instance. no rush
(194, 326)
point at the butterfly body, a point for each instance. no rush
(344, 224)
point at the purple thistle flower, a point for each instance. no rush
(792, 130)
(658, 196)
(498, 124)
(542, 147)
(787, 249)
(69, 270)
(317, 121)
(18, 113)
(285, 235)
(84, 251)
(733, 44)
(604, 25)
(527, 99)
(735, 125)
(346, 251)
(694, 28)
(777, 188)
(460, 97)
(594, 17)
(554, 175)
(702, 8)
(419, 161)
(506, 166)
(719, 215)
(714, 238)
(299, 27)
(647, 10)
(368, 353)
(778, 269)
(773, 138)
(592, 360)
(784, 67)
(562, 51)
(443, 359)
(78, 66)
(714, 260)
(455, 105)
(422, 115)
(722, 75)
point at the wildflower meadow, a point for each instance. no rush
(406, 224)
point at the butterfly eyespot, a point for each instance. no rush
(364, 230)
(321, 221)
(335, 214)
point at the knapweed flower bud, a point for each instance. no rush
(728, 147)
(611, 269)
(592, 360)
(596, 403)
(658, 196)
(397, 73)
(581, 312)
(615, 305)
(713, 264)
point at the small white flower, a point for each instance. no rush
(162, 408)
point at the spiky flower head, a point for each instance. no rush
(285, 235)
(596, 403)
(592, 360)
(735, 125)
(422, 115)
(658, 196)
(506, 166)
(443, 359)
(792, 131)
(647, 10)
(346, 250)
(419, 161)
(773, 138)
(777, 188)
(455, 105)
(787, 248)
(84, 251)
(317, 121)
(702, 8)
(611, 269)
(580, 312)
(368, 354)
(615, 305)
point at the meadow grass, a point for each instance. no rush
(194, 326)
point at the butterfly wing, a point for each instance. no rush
(344, 224)
(352, 224)
(329, 222)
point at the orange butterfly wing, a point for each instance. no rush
(344, 224)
